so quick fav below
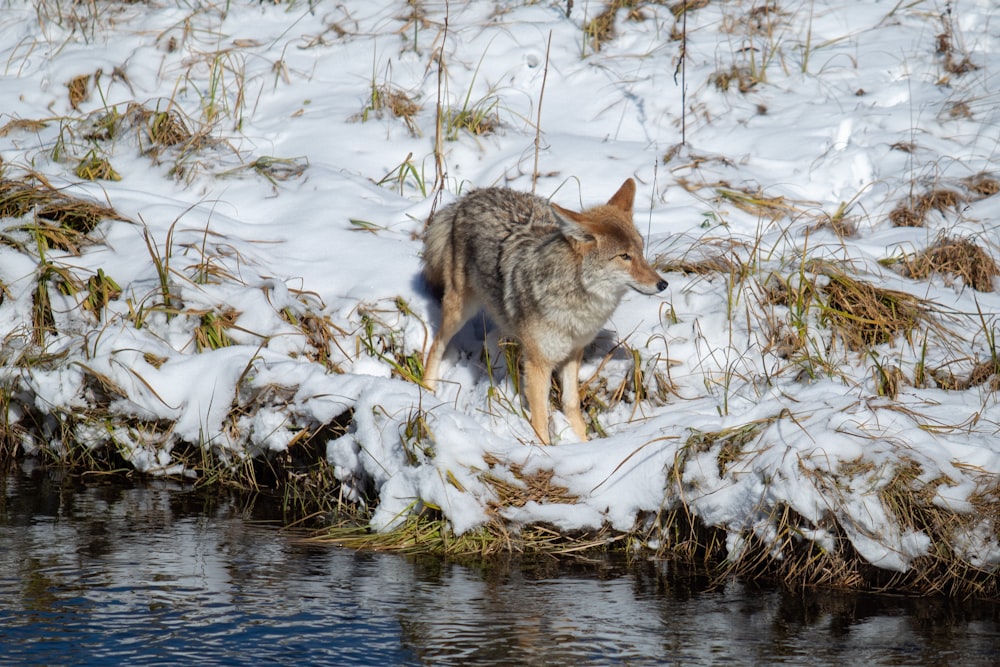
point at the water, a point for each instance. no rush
(111, 574)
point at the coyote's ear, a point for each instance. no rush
(570, 224)
(624, 199)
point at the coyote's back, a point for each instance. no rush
(487, 243)
(546, 275)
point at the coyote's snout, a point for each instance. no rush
(546, 275)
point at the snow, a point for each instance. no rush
(852, 108)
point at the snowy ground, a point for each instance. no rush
(286, 224)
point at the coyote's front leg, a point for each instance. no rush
(569, 378)
(537, 383)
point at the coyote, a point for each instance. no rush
(548, 276)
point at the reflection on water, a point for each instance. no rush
(155, 574)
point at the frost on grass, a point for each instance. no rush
(814, 398)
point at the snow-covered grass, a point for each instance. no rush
(210, 220)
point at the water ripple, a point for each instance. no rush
(147, 576)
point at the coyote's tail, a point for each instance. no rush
(438, 247)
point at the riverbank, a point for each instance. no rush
(209, 271)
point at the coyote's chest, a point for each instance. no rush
(572, 323)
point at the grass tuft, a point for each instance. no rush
(982, 185)
(33, 195)
(957, 257)
(96, 168)
(78, 90)
(914, 211)
(212, 332)
(727, 445)
(742, 76)
(537, 487)
(953, 60)
(865, 314)
(678, 9)
(385, 99)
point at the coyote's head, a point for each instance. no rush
(609, 246)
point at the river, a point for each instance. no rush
(110, 572)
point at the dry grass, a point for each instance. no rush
(840, 223)
(385, 99)
(982, 373)
(953, 60)
(958, 258)
(161, 135)
(536, 487)
(380, 337)
(742, 76)
(941, 571)
(784, 552)
(982, 185)
(707, 255)
(23, 125)
(678, 9)
(985, 373)
(425, 532)
(321, 335)
(212, 332)
(914, 211)
(58, 220)
(860, 313)
(96, 168)
(33, 194)
(696, 266)
(644, 381)
(727, 445)
(865, 315)
(601, 28)
(78, 90)
(757, 203)
(168, 134)
(479, 119)
(166, 128)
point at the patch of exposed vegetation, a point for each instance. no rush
(601, 28)
(537, 487)
(865, 314)
(959, 258)
(982, 186)
(57, 220)
(859, 312)
(742, 76)
(953, 60)
(385, 99)
(913, 212)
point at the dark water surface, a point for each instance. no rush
(113, 574)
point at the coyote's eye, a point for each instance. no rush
(627, 257)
